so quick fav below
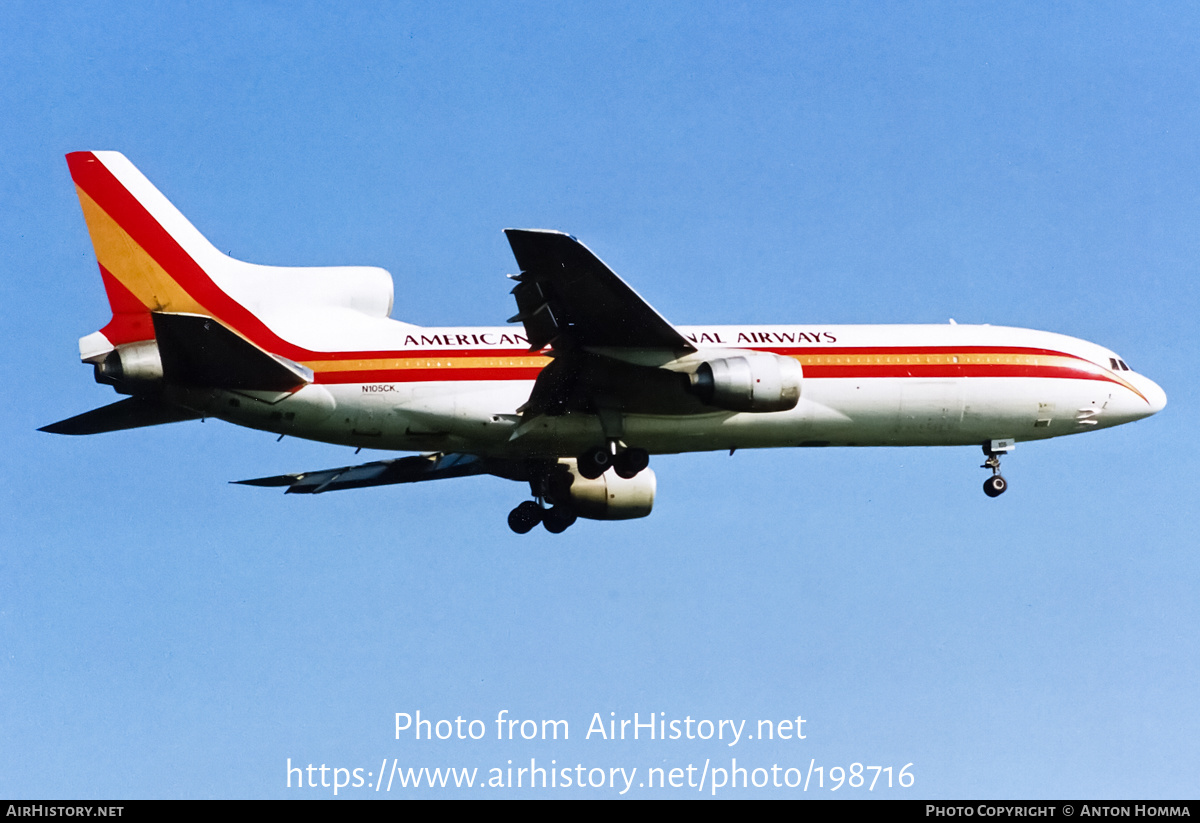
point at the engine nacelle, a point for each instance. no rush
(131, 368)
(751, 382)
(608, 497)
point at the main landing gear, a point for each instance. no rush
(995, 485)
(625, 462)
(556, 519)
(551, 487)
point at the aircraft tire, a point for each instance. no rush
(995, 486)
(594, 462)
(558, 519)
(631, 462)
(524, 517)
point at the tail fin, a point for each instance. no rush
(153, 260)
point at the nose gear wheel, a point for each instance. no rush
(995, 485)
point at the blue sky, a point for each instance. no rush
(165, 634)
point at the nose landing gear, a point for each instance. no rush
(995, 485)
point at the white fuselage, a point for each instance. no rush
(461, 389)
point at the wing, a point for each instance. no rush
(379, 473)
(566, 295)
(606, 340)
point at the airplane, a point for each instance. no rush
(572, 401)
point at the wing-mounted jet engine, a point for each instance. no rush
(750, 382)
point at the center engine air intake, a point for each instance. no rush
(752, 382)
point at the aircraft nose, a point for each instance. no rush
(1155, 396)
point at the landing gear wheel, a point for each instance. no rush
(558, 519)
(524, 517)
(630, 462)
(995, 485)
(594, 462)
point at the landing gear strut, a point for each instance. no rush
(995, 485)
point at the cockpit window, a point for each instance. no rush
(1118, 364)
(1123, 366)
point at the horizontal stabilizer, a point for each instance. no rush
(199, 351)
(379, 473)
(130, 413)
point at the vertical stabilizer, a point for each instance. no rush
(153, 260)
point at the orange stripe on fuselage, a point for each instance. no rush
(421, 367)
(422, 360)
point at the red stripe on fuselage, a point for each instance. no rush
(402, 354)
(951, 371)
(454, 375)
(446, 375)
(1079, 369)
(901, 351)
